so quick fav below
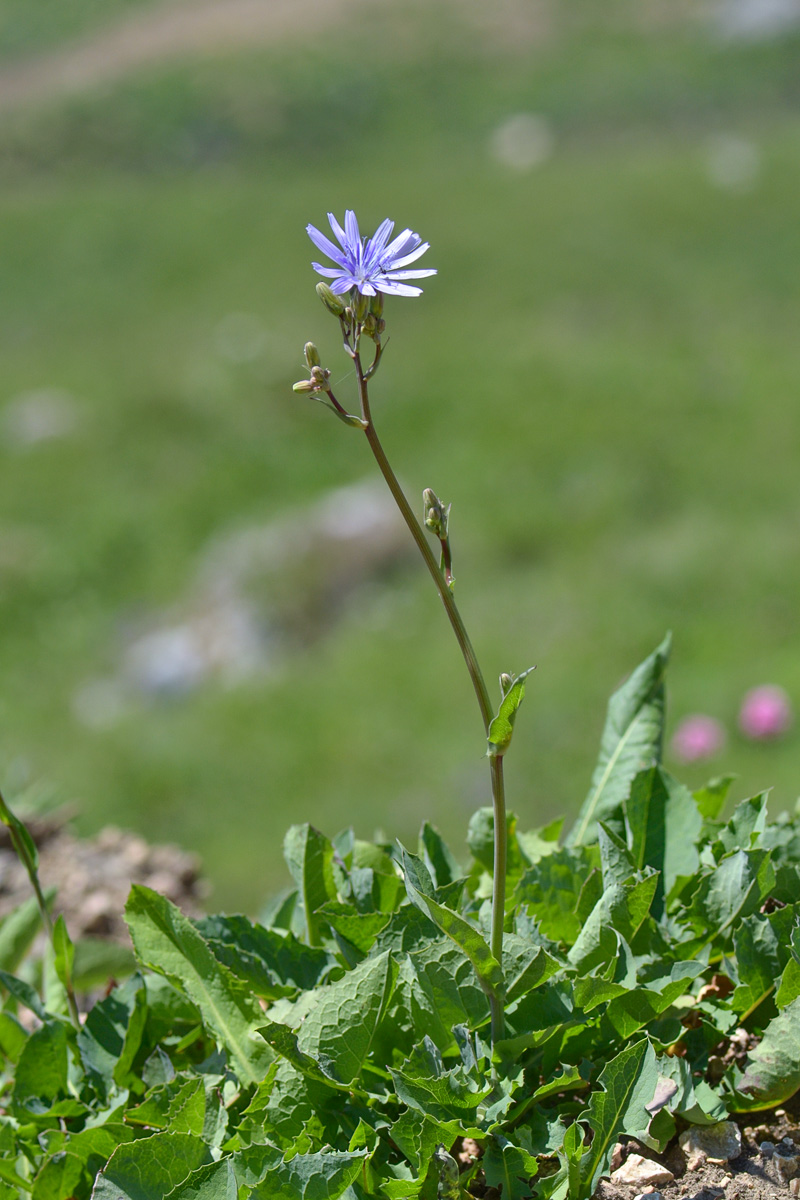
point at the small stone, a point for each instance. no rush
(639, 1171)
(717, 1143)
(650, 1194)
(786, 1164)
(794, 1187)
(766, 1149)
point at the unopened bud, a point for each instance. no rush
(435, 514)
(311, 355)
(370, 325)
(349, 315)
(506, 683)
(376, 304)
(305, 385)
(361, 306)
(332, 302)
(320, 377)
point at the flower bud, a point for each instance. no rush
(376, 304)
(320, 377)
(332, 302)
(506, 683)
(361, 307)
(311, 355)
(435, 514)
(305, 385)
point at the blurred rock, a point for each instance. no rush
(93, 876)
(733, 163)
(259, 593)
(522, 141)
(752, 20)
(38, 416)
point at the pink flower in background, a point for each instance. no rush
(766, 713)
(697, 737)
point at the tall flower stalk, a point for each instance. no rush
(365, 270)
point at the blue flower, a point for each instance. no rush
(370, 264)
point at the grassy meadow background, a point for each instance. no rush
(603, 379)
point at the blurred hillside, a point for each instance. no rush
(205, 632)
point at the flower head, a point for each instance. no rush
(766, 713)
(372, 264)
(697, 737)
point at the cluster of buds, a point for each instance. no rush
(319, 376)
(357, 312)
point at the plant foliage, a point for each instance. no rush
(340, 1048)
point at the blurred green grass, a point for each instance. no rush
(602, 379)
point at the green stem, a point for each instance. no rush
(475, 674)
(14, 825)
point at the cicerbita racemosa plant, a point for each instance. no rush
(367, 269)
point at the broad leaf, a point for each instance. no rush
(214, 1181)
(325, 1175)
(663, 822)
(344, 1017)
(772, 1074)
(309, 857)
(629, 1083)
(167, 942)
(509, 1167)
(150, 1167)
(631, 742)
(420, 892)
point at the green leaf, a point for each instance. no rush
(342, 1022)
(64, 951)
(167, 942)
(789, 986)
(359, 928)
(420, 892)
(272, 964)
(283, 1041)
(631, 742)
(178, 1106)
(214, 1181)
(772, 1074)
(550, 890)
(24, 993)
(509, 1167)
(325, 1175)
(743, 831)
(501, 728)
(111, 1035)
(150, 1167)
(309, 857)
(711, 798)
(733, 890)
(621, 908)
(41, 1075)
(629, 1084)
(437, 856)
(17, 931)
(616, 860)
(20, 832)
(761, 956)
(71, 1170)
(664, 823)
